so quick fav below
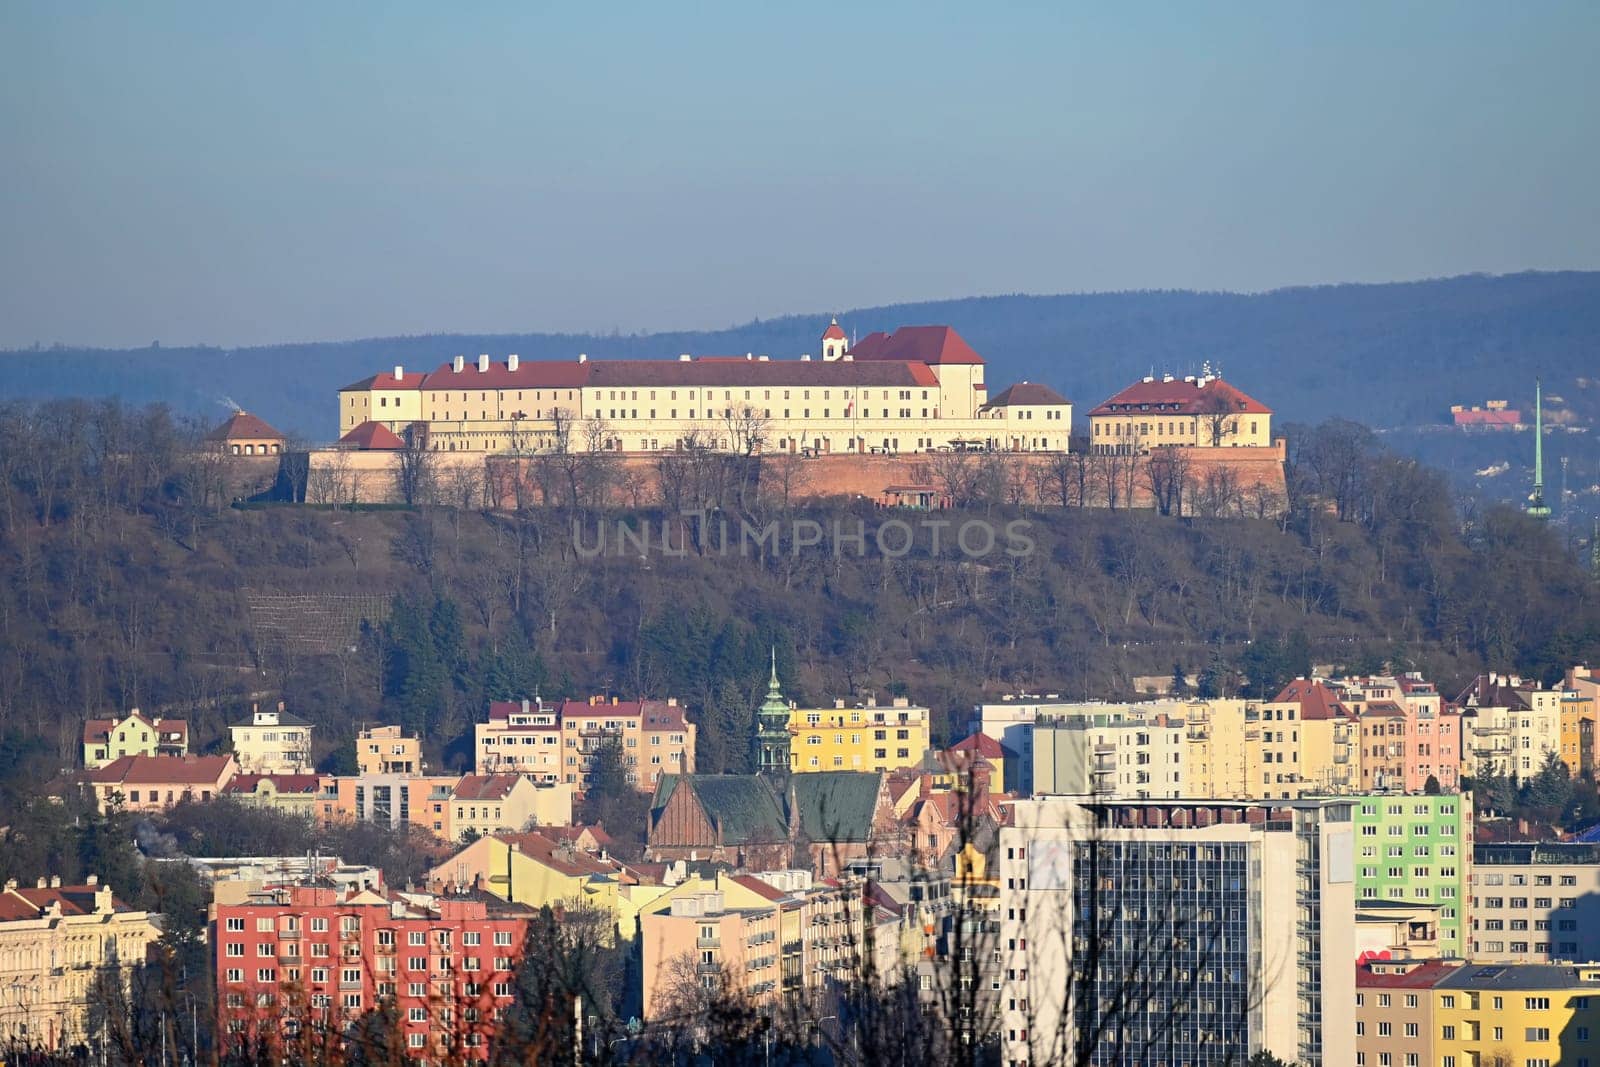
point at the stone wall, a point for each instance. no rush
(1217, 481)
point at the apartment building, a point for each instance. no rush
(300, 963)
(1536, 902)
(556, 742)
(134, 734)
(1526, 1015)
(771, 937)
(1510, 725)
(918, 389)
(859, 737)
(55, 942)
(387, 750)
(1091, 755)
(1417, 850)
(291, 794)
(272, 742)
(1233, 922)
(1394, 1011)
(394, 800)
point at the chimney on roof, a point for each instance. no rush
(483, 363)
(685, 357)
(399, 373)
(460, 364)
(1149, 378)
(749, 355)
(93, 879)
(55, 881)
(512, 361)
(39, 884)
(806, 358)
(583, 357)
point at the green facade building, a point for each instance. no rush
(1417, 849)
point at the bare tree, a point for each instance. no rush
(416, 466)
(1166, 473)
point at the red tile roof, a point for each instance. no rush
(1316, 699)
(167, 730)
(243, 426)
(982, 744)
(1422, 976)
(409, 379)
(922, 344)
(373, 436)
(1026, 393)
(485, 786)
(834, 332)
(25, 903)
(757, 886)
(161, 770)
(1183, 397)
(558, 855)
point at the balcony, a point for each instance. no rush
(708, 942)
(708, 968)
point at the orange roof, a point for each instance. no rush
(1183, 397)
(24, 903)
(558, 855)
(757, 886)
(981, 744)
(243, 426)
(373, 436)
(834, 332)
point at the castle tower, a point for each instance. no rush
(834, 342)
(772, 729)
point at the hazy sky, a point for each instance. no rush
(242, 173)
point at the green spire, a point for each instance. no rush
(1536, 505)
(772, 727)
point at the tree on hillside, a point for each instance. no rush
(416, 470)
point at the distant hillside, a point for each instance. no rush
(1388, 355)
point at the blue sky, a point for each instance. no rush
(236, 174)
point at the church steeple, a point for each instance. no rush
(834, 342)
(772, 728)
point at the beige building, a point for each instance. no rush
(55, 941)
(919, 389)
(386, 750)
(1202, 411)
(156, 783)
(246, 435)
(1394, 1011)
(774, 936)
(1535, 902)
(291, 794)
(1240, 918)
(483, 804)
(1509, 726)
(556, 742)
(135, 734)
(272, 742)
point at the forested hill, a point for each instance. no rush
(1387, 355)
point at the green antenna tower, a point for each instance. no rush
(1536, 505)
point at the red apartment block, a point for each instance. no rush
(297, 965)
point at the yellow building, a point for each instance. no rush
(1517, 1015)
(539, 871)
(1577, 731)
(291, 794)
(135, 734)
(55, 941)
(272, 742)
(386, 750)
(1203, 412)
(865, 737)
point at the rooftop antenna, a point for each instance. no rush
(1536, 505)
(1563, 497)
